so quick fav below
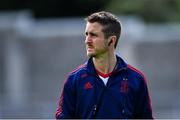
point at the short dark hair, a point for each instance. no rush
(111, 24)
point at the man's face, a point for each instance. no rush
(96, 44)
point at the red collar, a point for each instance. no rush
(103, 75)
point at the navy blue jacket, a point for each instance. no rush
(85, 95)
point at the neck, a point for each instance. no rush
(105, 63)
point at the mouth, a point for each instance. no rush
(89, 47)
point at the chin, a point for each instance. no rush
(91, 55)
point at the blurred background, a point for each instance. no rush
(42, 40)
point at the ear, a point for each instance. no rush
(112, 40)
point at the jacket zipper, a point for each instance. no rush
(97, 101)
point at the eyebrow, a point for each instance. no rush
(91, 33)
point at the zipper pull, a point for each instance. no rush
(94, 109)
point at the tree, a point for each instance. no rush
(149, 10)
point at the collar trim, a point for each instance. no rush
(103, 75)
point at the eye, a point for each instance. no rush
(86, 33)
(93, 34)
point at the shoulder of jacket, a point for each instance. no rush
(136, 72)
(70, 77)
(77, 70)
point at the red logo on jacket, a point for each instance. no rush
(88, 85)
(124, 85)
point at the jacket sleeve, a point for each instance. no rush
(66, 107)
(143, 103)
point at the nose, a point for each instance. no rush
(88, 39)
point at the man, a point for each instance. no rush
(105, 86)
